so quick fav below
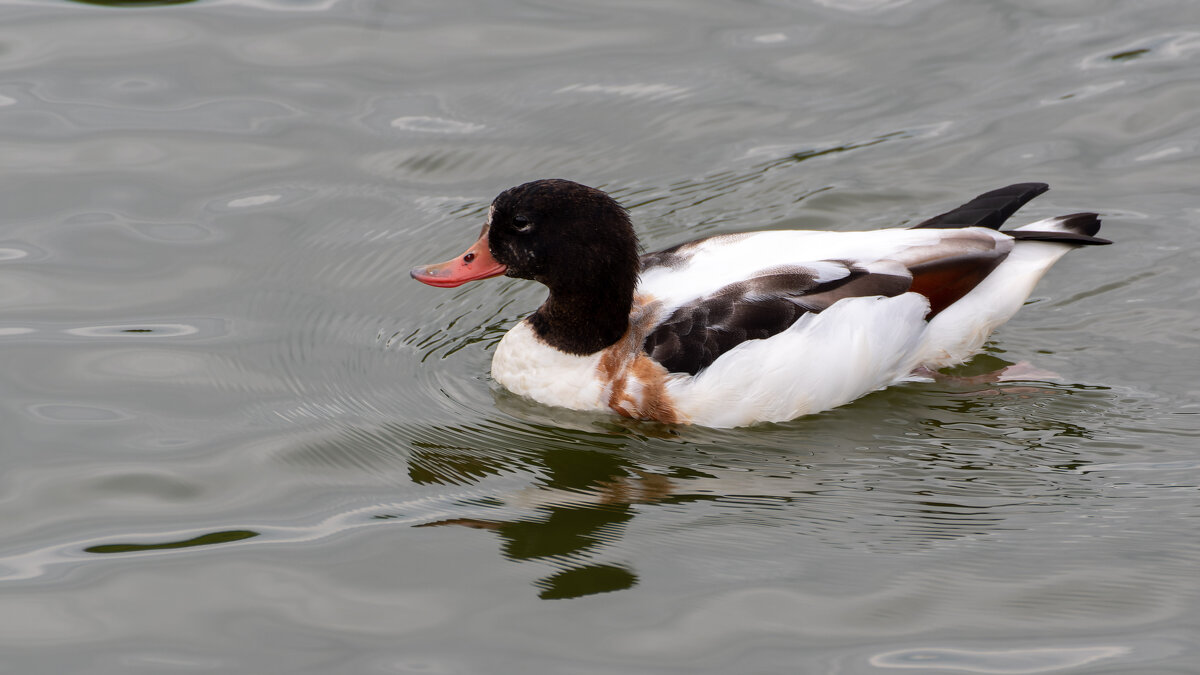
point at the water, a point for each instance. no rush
(238, 438)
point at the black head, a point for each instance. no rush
(567, 236)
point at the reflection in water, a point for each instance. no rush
(564, 499)
(202, 540)
(568, 533)
(586, 580)
(581, 501)
(1129, 55)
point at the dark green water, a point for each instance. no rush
(237, 438)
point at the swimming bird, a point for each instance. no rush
(737, 329)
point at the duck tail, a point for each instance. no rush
(1076, 229)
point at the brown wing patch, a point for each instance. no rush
(946, 280)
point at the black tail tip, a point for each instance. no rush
(1077, 228)
(1081, 223)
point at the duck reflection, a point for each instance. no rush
(899, 471)
(583, 502)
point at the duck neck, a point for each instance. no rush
(582, 323)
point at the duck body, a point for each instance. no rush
(737, 329)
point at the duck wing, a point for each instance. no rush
(698, 332)
(721, 291)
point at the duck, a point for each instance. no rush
(745, 328)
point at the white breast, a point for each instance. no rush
(525, 365)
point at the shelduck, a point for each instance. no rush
(736, 329)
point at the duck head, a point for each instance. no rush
(575, 240)
(567, 236)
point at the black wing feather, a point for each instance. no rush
(697, 333)
(989, 209)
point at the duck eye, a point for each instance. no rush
(522, 224)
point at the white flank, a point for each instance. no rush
(824, 360)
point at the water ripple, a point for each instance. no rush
(203, 328)
(636, 90)
(997, 662)
(435, 125)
